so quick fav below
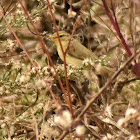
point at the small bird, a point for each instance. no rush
(76, 52)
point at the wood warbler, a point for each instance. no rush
(76, 52)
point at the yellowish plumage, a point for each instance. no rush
(76, 52)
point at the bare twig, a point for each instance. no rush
(64, 57)
(19, 42)
(116, 27)
(89, 103)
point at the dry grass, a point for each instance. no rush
(104, 106)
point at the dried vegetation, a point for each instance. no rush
(89, 107)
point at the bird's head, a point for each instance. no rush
(62, 34)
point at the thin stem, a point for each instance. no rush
(116, 27)
(89, 103)
(19, 42)
(65, 67)
(44, 49)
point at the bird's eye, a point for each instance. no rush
(61, 36)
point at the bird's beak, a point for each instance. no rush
(51, 37)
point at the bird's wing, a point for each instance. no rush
(79, 51)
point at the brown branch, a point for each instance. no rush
(65, 67)
(116, 27)
(45, 51)
(89, 103)
(19, 42)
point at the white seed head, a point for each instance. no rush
(64, 120)
(24, 78)
(129, 112)
(80, 130)
(133, 137)
(121, 122)
(40, 84)
(105, 138)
